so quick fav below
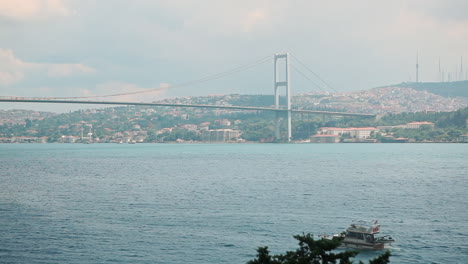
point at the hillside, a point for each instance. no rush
(393, 99)
(397, 105)
(447, 89)
(20, 116)
(379, 101)
(146, 124)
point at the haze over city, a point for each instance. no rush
(54, 48)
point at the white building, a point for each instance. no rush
(68, 139)
(417, 125)
(224, 122)
(356, 132)
(324, 139)
(464, 138)
(189, 127)
(220, 135)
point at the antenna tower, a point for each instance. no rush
(440, 74)
(461, 69)
(417, 68)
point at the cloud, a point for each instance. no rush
(7, 78)
(32, 9)
(253, 18)
(63, 70)
(13, 69)
(351, 44)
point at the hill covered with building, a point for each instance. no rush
(447, 89)
(394, 106)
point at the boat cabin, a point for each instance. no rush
(361, 231)
(362, 228)
(361, 236)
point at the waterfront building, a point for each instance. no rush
(417, 125)
(220, 135)
(68, 139)
(324, 139)
(385, 128)
(464, 138)
(355, 132)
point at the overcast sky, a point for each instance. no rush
(82, 47)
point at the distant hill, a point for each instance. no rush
(447, 89)
(18, 116)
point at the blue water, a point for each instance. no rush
(207, 203)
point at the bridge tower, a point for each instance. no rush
(286, 84)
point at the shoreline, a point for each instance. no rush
(205, 142)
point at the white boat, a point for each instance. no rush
(361, 235)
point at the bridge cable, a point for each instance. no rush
(316, 75)
(305, 76)
(331, 87)
(201, 80)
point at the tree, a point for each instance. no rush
(304, 129)
(257, 131)
(28, 123)
(263, 257)
(313, 251)
(382, 259)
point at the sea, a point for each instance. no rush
(217, 203)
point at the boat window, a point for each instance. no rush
(353, 234)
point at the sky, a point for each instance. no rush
(73, 48)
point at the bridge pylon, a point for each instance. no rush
(286, 83)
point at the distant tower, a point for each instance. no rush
(417, 68)
(461, 69)
(440, 73)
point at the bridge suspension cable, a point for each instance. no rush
(193, 82)
(315, 74)
(306, 77)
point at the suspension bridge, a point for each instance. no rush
(279, 83)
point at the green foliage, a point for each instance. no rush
(426, 134)
(449, 125)
(441, 119)
(264, 257)
(256, 131)
(254, 126)
(382, 259)
(304, 129)
(313, 251)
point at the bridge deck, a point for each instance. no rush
(34, 100)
